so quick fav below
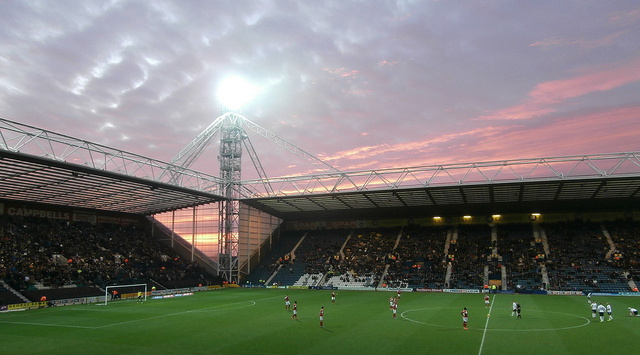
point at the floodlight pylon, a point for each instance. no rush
(233, 138)
(230, 159)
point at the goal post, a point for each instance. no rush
(108, 291)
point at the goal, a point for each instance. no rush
(133, 288)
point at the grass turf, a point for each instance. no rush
(254, 321)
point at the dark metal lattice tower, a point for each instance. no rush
(231, 139)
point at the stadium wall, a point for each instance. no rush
(256, 233)
(55, 212)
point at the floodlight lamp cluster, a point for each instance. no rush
(494, 217)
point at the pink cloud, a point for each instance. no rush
(601, 132)
(560, 90)
(608, 131)
(526, 110)
(342, 72)
(350, 159)
(543, 98)
(554, 42)
(625, 18)
(386, 62)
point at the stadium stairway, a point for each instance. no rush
(265, 271)
(273, 275)
(289, 274)
(612, 245)
(503, 276)
(545, 274)
(10, 294)
(632, 284)
(447, 278)
(384, 275)
(310, 280)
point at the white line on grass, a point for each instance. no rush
(486, 325)
(49, 325)
(251, 303)
(586, 321)
(404, 315)
(175, 313)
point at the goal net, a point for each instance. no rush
(117, 292)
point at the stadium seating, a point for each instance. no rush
(278, 257)
(579, 257)
(58, 258)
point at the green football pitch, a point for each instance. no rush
(254, 321)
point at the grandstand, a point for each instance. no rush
(69, 230)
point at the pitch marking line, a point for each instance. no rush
(48, 325)
(587, 321)
(486, 325)
(251, 303)
(173, 314)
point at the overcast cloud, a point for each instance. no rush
(359, 84)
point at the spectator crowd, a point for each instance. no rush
(580, 256)
(48, 253)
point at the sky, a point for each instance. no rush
(362, 85)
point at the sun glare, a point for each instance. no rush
(234, 92)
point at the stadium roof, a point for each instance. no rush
(482, 199)
(45, 167)
(41, 180)
(591, 182)
(41, 166)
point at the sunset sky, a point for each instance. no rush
(360, 84)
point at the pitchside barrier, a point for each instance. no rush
(182, 291)
(27, 305)
(445, 290)
(101, 299)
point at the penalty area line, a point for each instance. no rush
(248, 304)
(251, 303)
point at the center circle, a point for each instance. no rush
(583, 321)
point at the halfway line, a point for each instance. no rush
(486, 325)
